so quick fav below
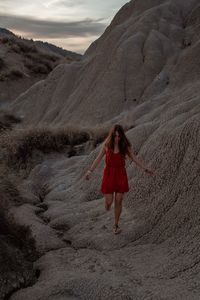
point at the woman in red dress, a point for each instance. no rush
(114, 184)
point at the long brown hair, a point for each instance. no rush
(124, 143)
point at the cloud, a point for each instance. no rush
(65, 3)
(53, 29)
(77, 44)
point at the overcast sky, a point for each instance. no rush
(70, 24)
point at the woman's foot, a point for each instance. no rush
(116, 229)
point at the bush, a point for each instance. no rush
(15, 73)
(26, 46)
(3, 77)
(7, 121)
(22, 149)
(17, 247)
(38, 64)
(19, 145)
(16, 48)
(47, 56)
(2, 63)
(39, 69)
(7, 40)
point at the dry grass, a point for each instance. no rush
(7, 120)
(9, 40)
(15, 48)
(17, 246)
(13, 73)
(22, 44)
(22, 149)
(35, 60)
(3, 77)
(18, 146)
(26, 46)
(2, 63)
(37, 68)
(41, 62)
(10, 197)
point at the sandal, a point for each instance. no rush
(116, 229)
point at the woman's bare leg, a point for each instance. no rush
(118, 206)
(108, 201)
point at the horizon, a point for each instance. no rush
(67, 24)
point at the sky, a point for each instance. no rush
(70, 24)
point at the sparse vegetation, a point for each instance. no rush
(2, 62)
(35, 60)
(13, 73)
(17, 246)
(7, 120)
(41, 62)
(19, 145)
(3, 77)
(7, 40)
(26, 46)
(38, 68)
(15, 48)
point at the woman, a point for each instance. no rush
(116, 147)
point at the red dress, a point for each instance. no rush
(114, 177)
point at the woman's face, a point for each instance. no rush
(117, 137)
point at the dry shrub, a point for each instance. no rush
(22, 149)
(15, 73)
(42, 57)
(20, 144)
(23, 45)
(15, 48)
(33, 57)
(2, 62)
(9, 40)
(17, 246)
(38, 63)
(48, 56)
(3, 77)
(17, 146)
(7, 120)
(26, 46)
(39, 68)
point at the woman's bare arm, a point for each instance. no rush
(135, 159)
(98, 159)
(138, 162)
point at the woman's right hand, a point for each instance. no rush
(88, 175)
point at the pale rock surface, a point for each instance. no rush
(146, 64)
(142, 71)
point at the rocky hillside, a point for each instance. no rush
(23, 62)
(58, 50)
(143, 72)
(145, 59)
